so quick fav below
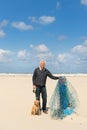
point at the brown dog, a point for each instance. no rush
(36, 108)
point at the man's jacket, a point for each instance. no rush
(40, 76)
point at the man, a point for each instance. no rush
(39, 83)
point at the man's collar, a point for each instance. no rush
(41, 69)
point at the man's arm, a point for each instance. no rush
(52, 76)
(34, 77)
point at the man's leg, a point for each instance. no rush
(44, 98)
(37, 94)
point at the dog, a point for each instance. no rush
(36, 108)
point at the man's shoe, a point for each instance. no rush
(45, 111)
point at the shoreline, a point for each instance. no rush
(29, 74)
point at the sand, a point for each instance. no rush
(16, 100)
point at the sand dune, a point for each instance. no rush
(16, 100)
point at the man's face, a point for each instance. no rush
(42, 65)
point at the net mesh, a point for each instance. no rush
(64, 100)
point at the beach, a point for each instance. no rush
(16, 100)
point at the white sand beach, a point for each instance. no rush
(16, 100)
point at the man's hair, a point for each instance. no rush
(42, 61)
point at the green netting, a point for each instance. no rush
(64, 100)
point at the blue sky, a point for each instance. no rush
(31, 30)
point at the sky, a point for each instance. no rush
(52, 30)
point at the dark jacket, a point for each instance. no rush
(40, 76)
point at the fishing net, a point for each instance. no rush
(64, 100)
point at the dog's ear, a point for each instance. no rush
(37, 102)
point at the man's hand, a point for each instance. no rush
(34, 88)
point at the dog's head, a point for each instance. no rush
(37, 102)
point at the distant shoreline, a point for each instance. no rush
(30, 74)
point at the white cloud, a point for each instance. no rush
(5, 55)
(75, 60)
(44, 55)
(61, 58)
(46, 19)
(22, 54)
(2, 33)
(22, 26)
(72, 61)
(77, 54)
(43, 19)
(3, 23)
(84, 2)
(25, 56)
(81, 49)
(41, 51)
(38, 52)
(81, 52)
(64, 57)
(42, 48)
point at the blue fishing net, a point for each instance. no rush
(64, 100)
